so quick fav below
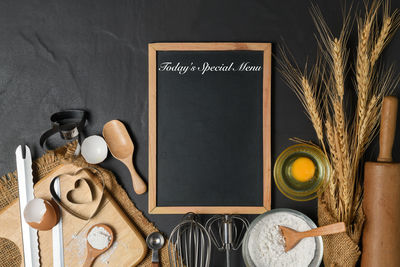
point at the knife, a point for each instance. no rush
(25, 191)
(57, 232)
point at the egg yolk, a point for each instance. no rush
(303, 169)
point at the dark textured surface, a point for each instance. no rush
(209, 131)
(93, 55)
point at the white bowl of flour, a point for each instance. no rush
(263, 244)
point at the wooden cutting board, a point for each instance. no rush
(129, 247)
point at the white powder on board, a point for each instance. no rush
(99, 238)
(78, 247)
(105, 257)
(266, 243)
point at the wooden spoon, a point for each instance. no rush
(93, 253)
(121, 147)
(292, 237)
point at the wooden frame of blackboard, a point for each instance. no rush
(266, 121)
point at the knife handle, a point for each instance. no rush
(388, 128)
(155, 264)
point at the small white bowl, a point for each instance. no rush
(94, 149)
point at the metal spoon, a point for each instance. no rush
(121, 147)
(93, 253)
(155, 241)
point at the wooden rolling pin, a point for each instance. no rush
(381, 237)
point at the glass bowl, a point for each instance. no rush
(294, 189)
(319, 246)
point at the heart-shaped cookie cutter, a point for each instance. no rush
(58, 200)
(79, 185)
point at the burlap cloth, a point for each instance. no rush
(41, 167)
(340, 250)
(10, 254)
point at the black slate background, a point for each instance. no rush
(93, 55)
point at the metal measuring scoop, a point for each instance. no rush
(155, 241)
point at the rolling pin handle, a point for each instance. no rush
(388, 128)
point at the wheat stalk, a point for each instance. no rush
(367, 125)
(380, 43)
(306, 88)
(336, 55)
(334, 158)
(390, 24)
(337, 93)
(338, 52)
(362, 68)
(312, 107)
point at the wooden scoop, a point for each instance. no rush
(292, 237)
(121, 147)
(93, 253)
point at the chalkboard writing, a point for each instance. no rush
(206, 67)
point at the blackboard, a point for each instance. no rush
(209, 128)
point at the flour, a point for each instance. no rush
(266, 243)
(105, 257)
(99, 238)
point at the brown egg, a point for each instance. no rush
(41, 214)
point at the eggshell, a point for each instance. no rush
(41, 214)
(94, 149)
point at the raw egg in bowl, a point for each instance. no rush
(301, 172)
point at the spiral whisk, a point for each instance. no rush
(227, 232)
(189, 244)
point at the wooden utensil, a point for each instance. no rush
(121, 147)
(93, 253)
(292, 237)
(381, 237)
